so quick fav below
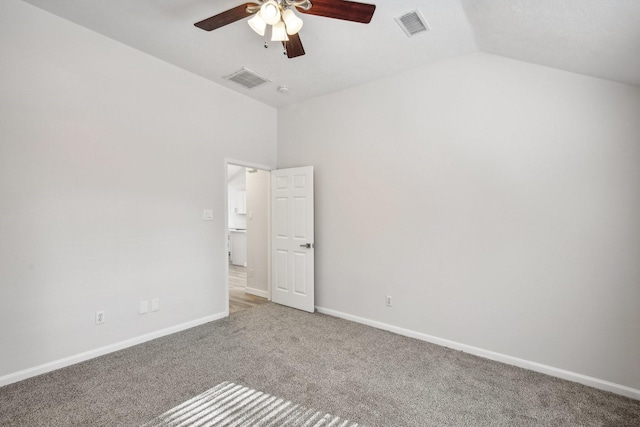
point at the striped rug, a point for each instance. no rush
(232, 405)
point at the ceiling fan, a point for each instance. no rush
(277, 16)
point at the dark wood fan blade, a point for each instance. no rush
(342, 9)
(293, 46)
(225, 18)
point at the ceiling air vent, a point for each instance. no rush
(247, 78)
(412, 23)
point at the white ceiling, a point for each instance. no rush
(600, 38)
(593, 37)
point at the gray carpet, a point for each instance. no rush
(359, 373)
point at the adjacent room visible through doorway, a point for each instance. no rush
(248, 236)
(239, 299)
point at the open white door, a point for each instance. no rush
(292, 247)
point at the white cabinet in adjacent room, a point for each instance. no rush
(238, 202)
(239, 247)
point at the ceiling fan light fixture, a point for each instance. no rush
(279, 33)
(293, 23)
(270, 12)
(257, 24)
(275, 19)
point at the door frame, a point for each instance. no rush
(230, 161)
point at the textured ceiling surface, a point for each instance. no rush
(600, 38)
(594, 37)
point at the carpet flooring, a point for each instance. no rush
(356, 372)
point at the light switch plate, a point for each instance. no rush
(155, 304)
(207, 215)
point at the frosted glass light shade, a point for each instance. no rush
(279, 33)
(292, 22)
(270, 12)
(257, 24)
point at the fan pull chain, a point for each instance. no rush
(267, 36)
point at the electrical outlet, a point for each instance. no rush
(99, 317)
(144, 307)
(388, 301)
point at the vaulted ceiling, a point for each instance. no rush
(600, 38)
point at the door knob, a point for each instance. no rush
(307, 245)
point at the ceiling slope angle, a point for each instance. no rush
(591, 37)
(339, 54)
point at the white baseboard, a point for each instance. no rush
(72, 360)
(256, 292)
(509, 360)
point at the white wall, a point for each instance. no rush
(258, 224)
(496, 201)
(107, 159)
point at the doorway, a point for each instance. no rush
(248, 233)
